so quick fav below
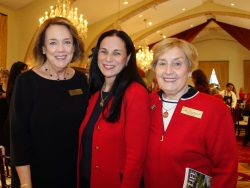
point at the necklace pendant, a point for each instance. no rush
(102, 103)
(165, 114)
(162, 138)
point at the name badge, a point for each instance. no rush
(191, 112)
(74, 92)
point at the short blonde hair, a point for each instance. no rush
(169, 43)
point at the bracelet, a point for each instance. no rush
(24, 185)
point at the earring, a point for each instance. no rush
(128, 59)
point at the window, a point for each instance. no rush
(213, 79)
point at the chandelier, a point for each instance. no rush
(144, 56)
(63, 9)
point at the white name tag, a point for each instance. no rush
(191, 112)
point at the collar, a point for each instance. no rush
(189, 94)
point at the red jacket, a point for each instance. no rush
(241, 95)
(205, 143)
(122, 145)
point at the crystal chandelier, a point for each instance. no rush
(144, 56)
(63, 9)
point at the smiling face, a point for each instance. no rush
(172, 73)
(58, 46)
(112, 57)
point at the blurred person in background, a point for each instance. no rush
(229, 97)
(200, 81)
(16, 69)
(241, 94)
(4, 75)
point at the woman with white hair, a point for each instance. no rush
(187, 128)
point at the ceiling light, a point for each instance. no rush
(63, 9)
(144, 56)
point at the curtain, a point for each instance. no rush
(187, 35)
(242, 35)
(221, 69)
(246, 75)
(190, 34)
(3, 39)
(206, 67)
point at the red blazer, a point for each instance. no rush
(119, 148)
(205, 143)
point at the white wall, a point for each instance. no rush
(229, 50)
(224, 48)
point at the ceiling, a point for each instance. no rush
(168, 17)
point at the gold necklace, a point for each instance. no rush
(103, 100)
(165, 114)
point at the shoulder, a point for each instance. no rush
(136, 88)
(202, 89)
(154, 97)
(136, 92)
(222, 92)
(80, 74)
(27, 76)
(208, 102)
(233, 93)
(154, 94)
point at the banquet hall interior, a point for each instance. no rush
(219, 29)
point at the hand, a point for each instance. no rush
(2, 95)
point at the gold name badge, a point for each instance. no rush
(75, 92)
(191, 112)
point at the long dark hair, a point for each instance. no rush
(128, 75)
(15, 70)
(200, 79)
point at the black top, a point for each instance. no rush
(228, 99)
(45, 117)
(87, 140)
(4, 108)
